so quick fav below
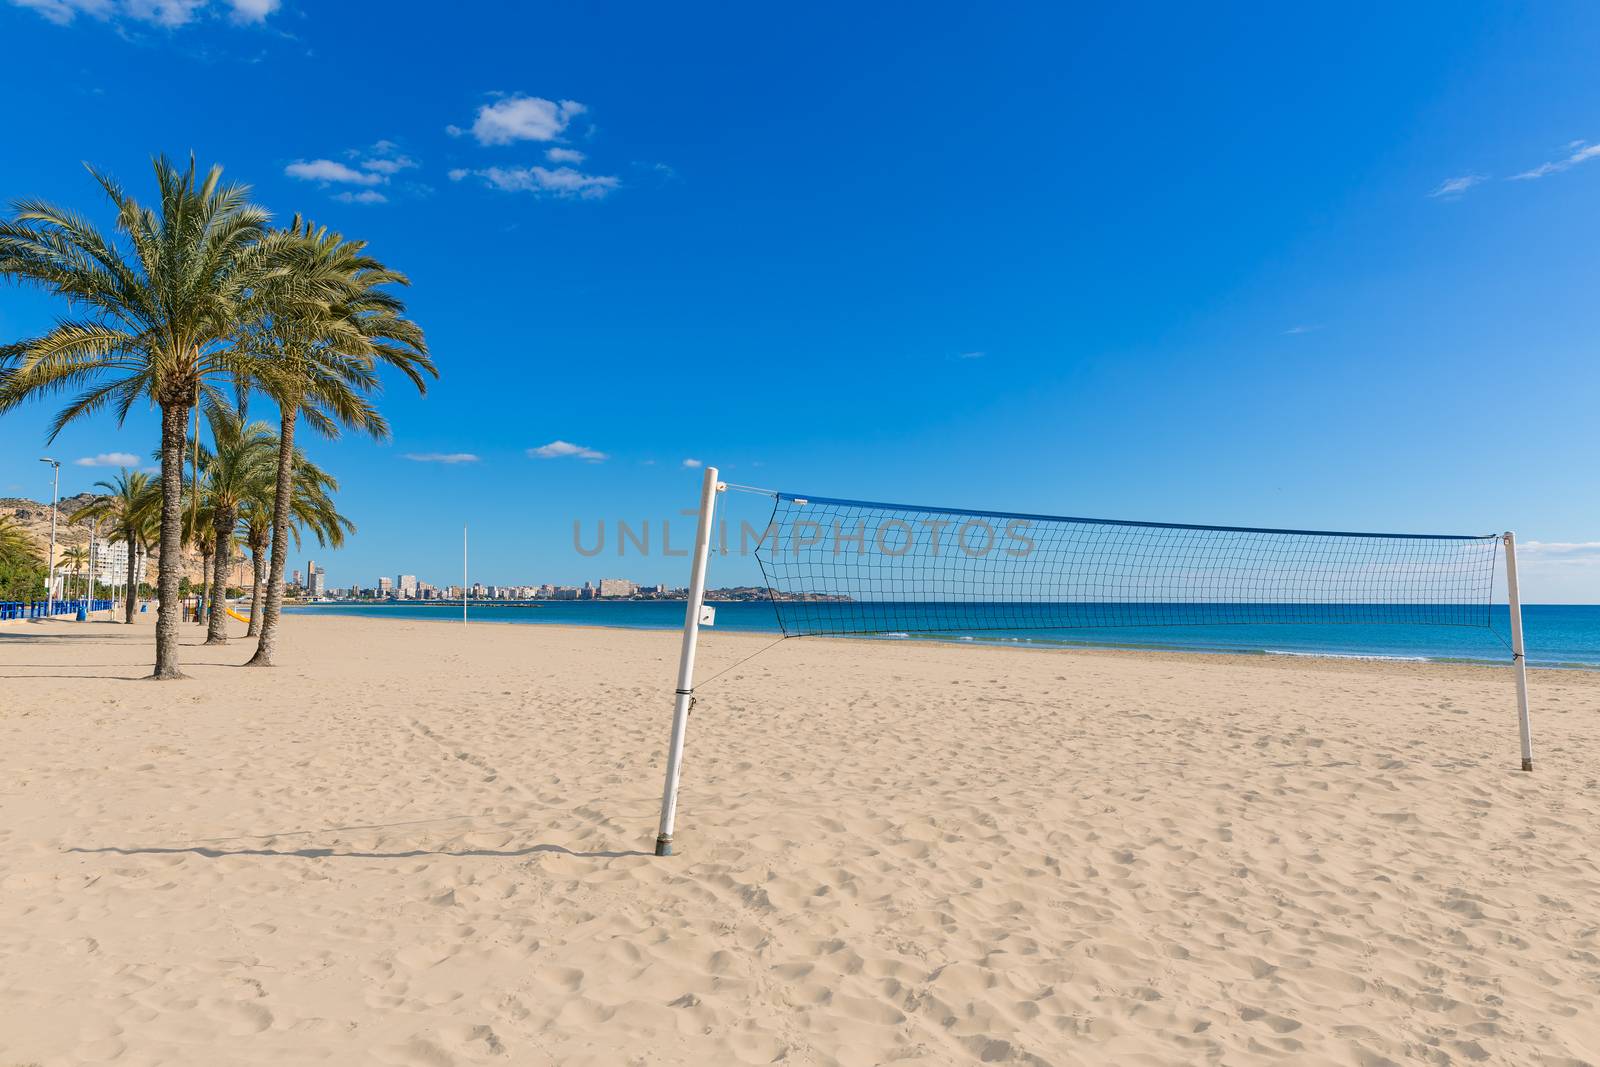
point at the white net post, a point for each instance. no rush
(691, 636)
(1519, 660)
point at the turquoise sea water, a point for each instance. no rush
(1556, 635)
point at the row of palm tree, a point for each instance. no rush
(231, 508)
(193, 305)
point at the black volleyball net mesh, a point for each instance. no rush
(857, 567)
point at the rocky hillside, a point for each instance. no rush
(34, 518)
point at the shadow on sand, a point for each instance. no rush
(330, 853)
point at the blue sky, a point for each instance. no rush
(1312, 267)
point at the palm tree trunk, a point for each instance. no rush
(223, 523)
(281, 500)
(132, 586)
(258, 571)
(203, 596)
(174, 432)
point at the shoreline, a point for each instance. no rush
(1015, 644)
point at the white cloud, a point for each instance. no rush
(971, 355)
(1296, 331)
(1577, 152)
(521, 118)
(253, 10)
(563, 182)
(1451, 187)
(373, 166)
(169, 13)
(457, 173)
(563, 449)
(62, 12)
(441, 457)
(565, 155)
(327, 170)
(1584, 552)
(692, 463)
(1559, 572)
(162, 12)
(389, 166)
(109, 459)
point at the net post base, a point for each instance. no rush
(1527, 764)
(663, 844)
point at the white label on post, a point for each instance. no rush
(708, 615)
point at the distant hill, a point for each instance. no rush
(34, 518)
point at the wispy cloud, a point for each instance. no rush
(692, 463)
(1570, 553)
(441, 457)
(565, 449)
(1577, 152)
(972, 355)
(1296, 331)
(109, 459)
(521, 118)
(1453, 187)
(328, 170)
(514, 118)
(562, 182)
(367, 167)
(253, 10)
(169, 13)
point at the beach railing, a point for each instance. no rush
(40, 609)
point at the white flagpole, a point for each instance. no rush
(691, 635)
(1519, 659)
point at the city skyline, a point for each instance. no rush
(409, 587)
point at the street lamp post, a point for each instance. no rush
(55, 495)
(90, 606)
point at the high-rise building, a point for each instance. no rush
(385, 587)
(296, 580)
(111, 563)
(407, 584)
(616, 587)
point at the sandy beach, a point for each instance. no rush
(415, 844)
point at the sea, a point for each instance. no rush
(1565, 636)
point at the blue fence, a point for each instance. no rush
(39, 609)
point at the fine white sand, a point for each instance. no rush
(417, 845)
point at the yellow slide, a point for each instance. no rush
(235, 614)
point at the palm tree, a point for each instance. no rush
(155, 306)
(320, 329)
(198, 532)
(129, 507)
(241, 468)
(311, 507)
(16, 547)
(75, 559)
(20, 561)
(255, 521)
